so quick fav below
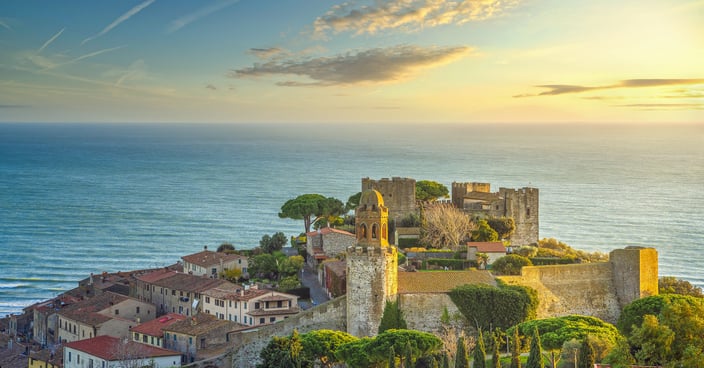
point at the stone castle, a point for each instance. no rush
(476, 199)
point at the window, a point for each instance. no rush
(69, 356)
(261, 321)
(272, 319)
(152, 340)
(190, 340)
(256, 305)
(173, 292)
(84, 333)
(278, 304)
(174, 337)
(245, 305)
(180, 293)
(527, 212)
(144, 339)
(207, 299)
(90, 363)
(137, 310)
(214, 271)
(117, 312)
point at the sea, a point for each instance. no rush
(81, 198)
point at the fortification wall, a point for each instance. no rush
(460, 190)
(248, 344)
(399, 194)
(371, 280)
(423, 311)
(523, 205)
(586, 289)
(635, 273)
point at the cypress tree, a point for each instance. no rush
(392, 317)
(516, 353)
(479, 354)
(392, 358)
(495, 357)
(461, 357)
(409, 356)
(535, 357)
(587, 356)
(445, 361)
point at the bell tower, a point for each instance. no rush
(372, 266)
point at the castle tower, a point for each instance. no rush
(372, 266)
(635, 271)
(399, 194)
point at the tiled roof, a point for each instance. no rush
(202, 323)
(155, 327)
(272, 312)
(110, 348)
(339, 268)
(156, 275)
(275, 297)
(208, 258)
(440, 281)
(488, 247)
(189, 283)
(329, 230)
(87, 311)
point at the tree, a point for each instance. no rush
(289, 283)
(392, 318)
(535, 356)
(428, 191)
(271, 244)
(653, 342)
(587, 356)
(673, 285)
(510, 264)
(353, 201)
(371, 352)
(331, 209)
(504, 226)
(444, 226)
(264, 265)
(232, 275)
(516, 352)
(225, 248)
(461, 357)
(276, 354)
(495, 356)
(321, 345)
(295, 347)
(484, 233)
(290, 266)
(304, 207)
(495, 307)
(479, 354)
(392, 358)
(408, 356)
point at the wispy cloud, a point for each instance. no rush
(51, 65)
(211, 87)
(378, 65)
(561, 89)
(664, 106)
(119, 20)
(409, 14)
(50, 40)
(136, 70)
(4, 24)
(185, 20)
(266, 53)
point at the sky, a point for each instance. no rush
(397, 61)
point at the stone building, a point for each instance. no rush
(399, 195)
(199, 337)
(152, 332)
(249, 305)
(173, 292)
(211, 264)
(520, 204)
(372, 266)
(327, 243)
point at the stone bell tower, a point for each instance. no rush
(372, 266)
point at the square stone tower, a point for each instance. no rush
(372, 267)
(635, 273)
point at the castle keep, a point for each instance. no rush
(399, 195)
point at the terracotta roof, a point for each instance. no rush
(156, 275)
(275, 297)
(109, 348)
(189, 283)
(87, 311)
(272, 312)
(339, 268)
(208, 258)
(329, 230)
(440, 281)
(488, 247)
(202, 323)
(156, 327)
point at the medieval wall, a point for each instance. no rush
(523, 206)
(423, 311)
(247, 344)
(459, 190)
(635, 272)
(399, 194)
(371, 279)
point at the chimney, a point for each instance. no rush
(90, 280)
(193, 321)
(205, 247)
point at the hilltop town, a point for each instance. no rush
(207, 310)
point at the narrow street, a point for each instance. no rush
(309, 278)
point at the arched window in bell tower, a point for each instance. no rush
(384, 234)
(375, 231)
(362, 232)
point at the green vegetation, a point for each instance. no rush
(673, 285)
(461, 356)
(353, 201)
(551, 247)
(392, 317)
(225, 248)
(310, 207)
(510, 264)
(429, 191)
(535, 357)
(504, 226)
(516, 351)
(495, 307)
(444, 226)
(479, 353)
(484, 233)
(271, 244)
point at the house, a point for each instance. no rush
(152, 332)
(199, 337)
(46, 319)
(327, 243)
(494, 250)
(174, 292)
(333, 277)
(107, 314)
(249, 305)
(211, 263)
(46, 358)
(113, 352)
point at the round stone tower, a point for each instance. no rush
(372, 266)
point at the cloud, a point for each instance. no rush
(664, 106)
(407, 14)
(561, 89)
(185, 20)
(50, 40)
(211, 87)
(5, 25)
(378, 65)
(136, 70)
(50, 65)
(266, 53)
(119, 20)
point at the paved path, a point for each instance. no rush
(309, 278)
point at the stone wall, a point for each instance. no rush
(523, 206)
(635, 273)
(248, 344)
(422, 311)
(399, 194)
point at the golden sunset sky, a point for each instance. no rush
(405, 61)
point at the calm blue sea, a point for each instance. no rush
(82, 198)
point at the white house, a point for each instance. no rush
(211, 263)
(112, 352)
